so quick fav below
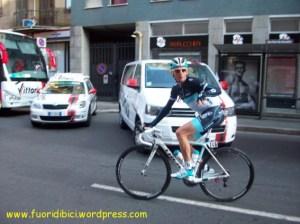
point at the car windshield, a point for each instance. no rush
(203, 73)
(26, 62)
(64, 87)
(158, 75)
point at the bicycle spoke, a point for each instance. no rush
(140, 181)
(241, 175)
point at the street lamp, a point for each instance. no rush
(139, 35)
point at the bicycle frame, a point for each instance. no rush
(156, 133)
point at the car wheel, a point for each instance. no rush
(87, 123)
(136, 131)
(36, 124)
(95, 111)
(122, 123)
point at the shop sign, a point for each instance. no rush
(160, 42)
(283, 38)
(190, 42)
(185, 43)
(237, 39)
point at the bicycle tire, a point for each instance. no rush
(241, 178)
(133, 182)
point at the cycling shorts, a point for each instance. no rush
(196, 122)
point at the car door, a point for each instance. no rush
(134, 86)
(126, 92)
(92, 96)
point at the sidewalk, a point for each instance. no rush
(265, 125)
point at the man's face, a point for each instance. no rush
(239, 68)
(180, 74)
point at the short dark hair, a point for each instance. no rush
(240, 63)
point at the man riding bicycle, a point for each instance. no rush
(193, 92)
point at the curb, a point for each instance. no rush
(269, 130)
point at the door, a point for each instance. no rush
(107, 64)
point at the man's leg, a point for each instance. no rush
(184, 135)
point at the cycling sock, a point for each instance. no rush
(188, 165)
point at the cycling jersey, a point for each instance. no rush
(189, 91)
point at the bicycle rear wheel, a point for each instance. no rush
(240, 169)
(143, 185)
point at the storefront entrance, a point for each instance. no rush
(268, 77)
(107, 63)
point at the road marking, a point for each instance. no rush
(210, 205)
(107, 111)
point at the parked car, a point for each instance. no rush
(66, 98)
(145, 88)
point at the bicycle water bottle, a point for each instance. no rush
(178, 155)
(195, 156)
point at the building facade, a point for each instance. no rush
(253, 45)
(49, 19)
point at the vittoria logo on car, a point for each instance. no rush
(27, 90)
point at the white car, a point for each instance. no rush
(66, 98)
(145, 89)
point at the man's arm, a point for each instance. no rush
(164, 111)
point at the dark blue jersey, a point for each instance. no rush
(189, 91)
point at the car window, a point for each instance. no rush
(64, 87)
(137, 74)
(158, 75)
(89, 85)
(128, 73)
(203, 73)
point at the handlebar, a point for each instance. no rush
(150, 131)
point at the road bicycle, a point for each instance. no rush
(225, 174)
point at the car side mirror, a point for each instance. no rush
(93, 91)
(132, 83)
(224, 84)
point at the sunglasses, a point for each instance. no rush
(183, 70)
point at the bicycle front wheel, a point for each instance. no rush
(241, 174)
(141, 181)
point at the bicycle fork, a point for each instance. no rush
(153, 151)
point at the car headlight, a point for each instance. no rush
(152, 110)
(36, 106)
(230, 111)
(82, 104)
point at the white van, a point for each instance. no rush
(145, 89)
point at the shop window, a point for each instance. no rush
(242, 75)
(281, 82)
(119, 2)
(196, 27)
(93, 4)
(165, 29)
(238, 26)
(285, 24)
(281, 76)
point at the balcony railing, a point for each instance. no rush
(57, 17)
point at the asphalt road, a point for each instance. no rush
(71, 169)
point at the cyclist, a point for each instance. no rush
(193, 92)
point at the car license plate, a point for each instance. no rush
(213, 144)
(54, 114)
